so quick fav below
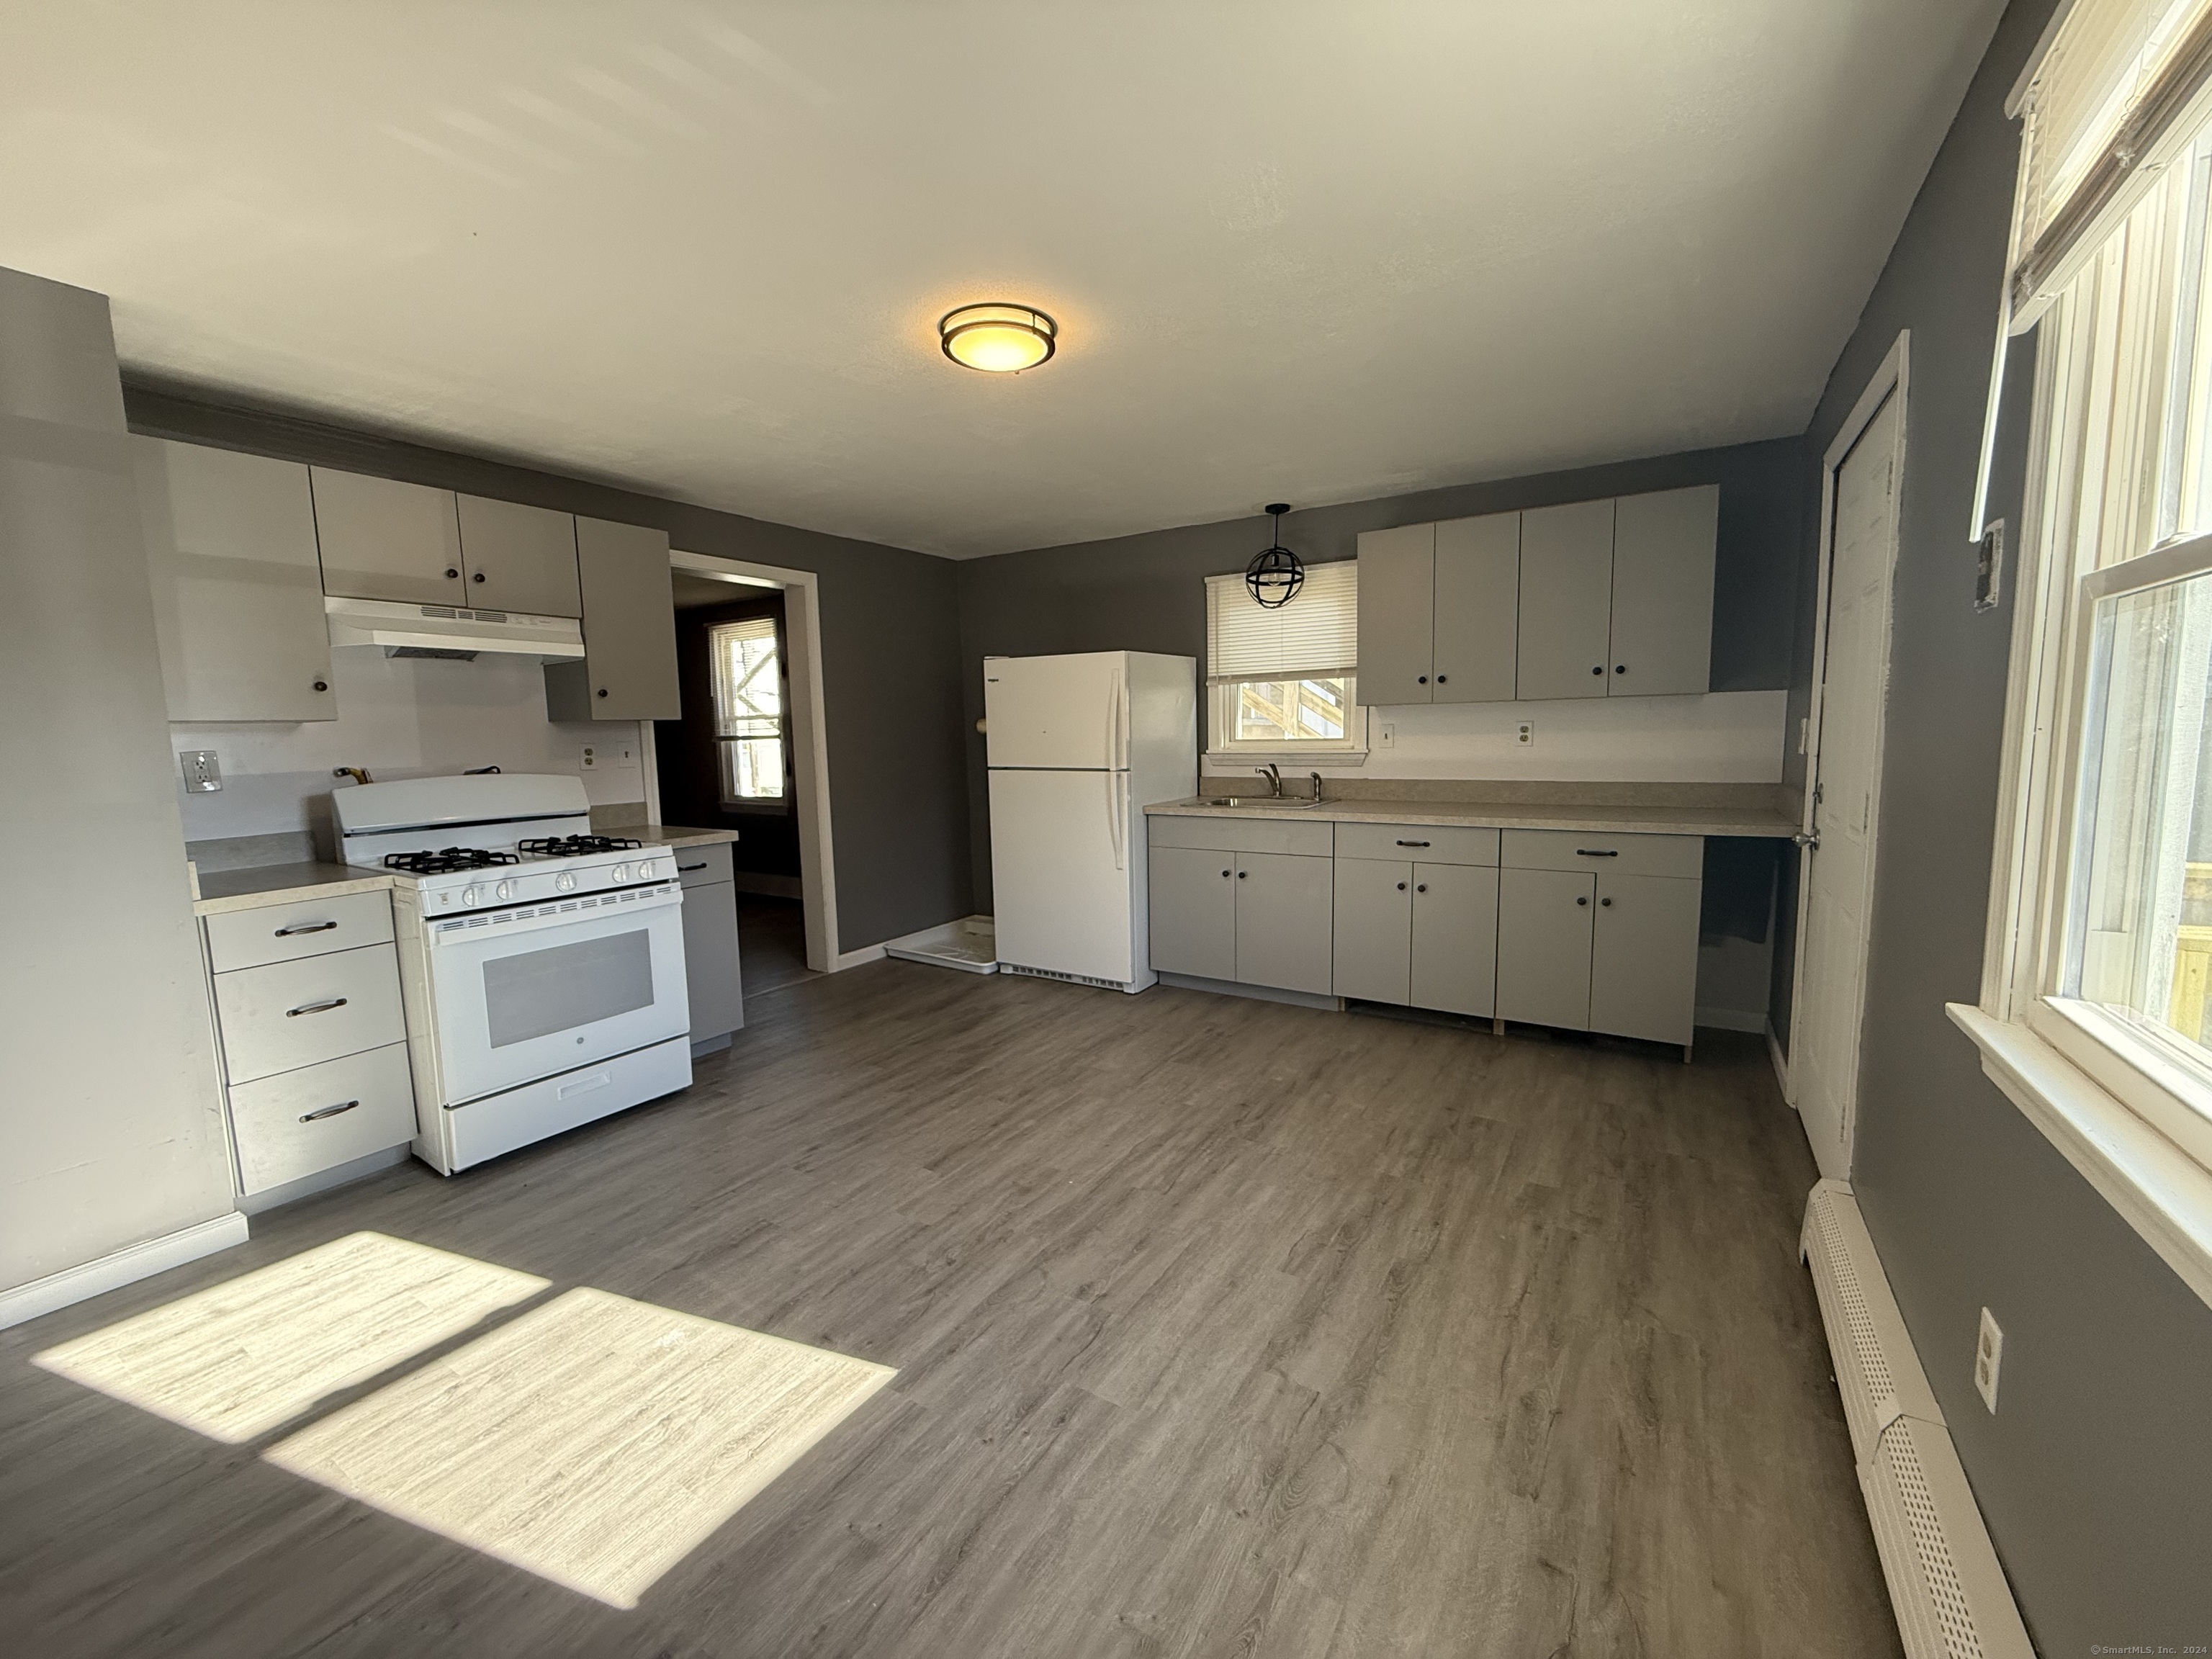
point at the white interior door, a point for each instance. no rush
(1070, 711)
(1060, 882)
(1838, 870)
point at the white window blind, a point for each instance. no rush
(1315, 636)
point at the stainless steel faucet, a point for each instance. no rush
(1316, 776)
(1275, 778)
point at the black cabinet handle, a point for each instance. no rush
(1241, 874)
(1597, 851)
(700, 865)
(329, 1111)
(1600, 669)
(1421, 679)
(322, 685)
(1441, 678)
(315, 1007)
(1620, 668)
(602, 690)
(1412, 843)
(1401, 886)
(1224, 874)
(453, 575)
(303, 927)
(1605, 903)
(477, 577)
(1582, 901)
(1421, 887)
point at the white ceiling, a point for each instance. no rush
(1311, 252)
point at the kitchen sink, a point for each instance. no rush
(1267, 801)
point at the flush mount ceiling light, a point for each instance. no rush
(1275, 573)
(999, 339)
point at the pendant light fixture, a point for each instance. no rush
(1275, 573)
(999, 339)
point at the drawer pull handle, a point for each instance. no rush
(1401, 886)
(330, 1111)
(315, 1007)
(305, 927)
(1597, 851)
(700, 865)
(1422, 888)
(1581, 901)
(1412, 843)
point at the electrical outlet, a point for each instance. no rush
(1524, 735)
(202, 771)
(1386, 735)
(590, 758)
(1989, 1355)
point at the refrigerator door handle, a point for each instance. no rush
(1116, 813)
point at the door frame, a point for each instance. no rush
(1891, 380)
(810, 744)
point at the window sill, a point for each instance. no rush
(2160, 1191)
(1215, 760)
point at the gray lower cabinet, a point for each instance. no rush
(711, 969)
(1283, 924)
(1644, 960)
(1545, 925)
(629, 669)
(1454, 946)
(1193, 911)
(238, 593)
(1374, 945)
(382, 539)
(519, 557)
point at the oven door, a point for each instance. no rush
(533, 990)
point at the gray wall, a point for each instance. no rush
(2093, 1475)
(890, 671)
(1146, 592)
(111, 1126)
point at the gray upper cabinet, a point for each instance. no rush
(1662, 592)
(1397, 614)
(519, 558)
(385, 540)
(1477, 603)
(238, 596)
(1566, 601)
(629, 669)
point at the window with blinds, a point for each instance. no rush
(749, 715)
(1281, 681)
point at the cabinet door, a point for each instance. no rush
(1643, 972)
(1373, 930)
(1193, 912)
(382, 540)
(1455, 938)
(710, 960)
(520, 558)
(1397, 610)
(238, 594)
(1282, 923)
(1478, 597)
(629, 669)
(1662, 592)
(1566, 601)
(1544, 925)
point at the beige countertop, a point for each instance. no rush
(1653, 818)
(284, 884)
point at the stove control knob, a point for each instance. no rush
(471, 894)
(506, 890)
(648, 871)
(620, 873)
(564, 882)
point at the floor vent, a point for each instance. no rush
(1055, 973)
(1944, 1579)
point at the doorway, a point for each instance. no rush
(751, 756)
(1843, 798)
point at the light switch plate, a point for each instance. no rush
(202, 771)
(1386, 735)
(1989, 1355)
(623, 756)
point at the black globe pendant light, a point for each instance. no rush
(1275, 573)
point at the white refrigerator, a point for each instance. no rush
(1079, 746)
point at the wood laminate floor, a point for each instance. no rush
(1220, 1327)
(771, 943)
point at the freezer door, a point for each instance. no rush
(1057, 711)
(1061, 872)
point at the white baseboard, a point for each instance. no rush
(124, 1266)
(1774, 1052)
(1732, 1019)
(859, 959)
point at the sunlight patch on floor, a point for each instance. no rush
(594, 1441)
(252, 1354)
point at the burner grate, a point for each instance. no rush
(446, 860)
(570, 846)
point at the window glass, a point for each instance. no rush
(1281, 679)
(749, 710)
(1291, 711)
(564, 988)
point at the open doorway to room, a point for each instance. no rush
(749, 756)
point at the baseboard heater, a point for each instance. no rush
(1944, 1578)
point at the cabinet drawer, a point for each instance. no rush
(285, 932)
(1430, 843)
(703, 866)
(298, 1123)
(289, 1014)
(1620, 855)
(1242, 834)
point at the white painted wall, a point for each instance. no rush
(111, 1126)
(1724, 736)
(400, 718)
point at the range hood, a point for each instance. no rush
(446, 630)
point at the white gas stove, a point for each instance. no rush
(542, 965)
